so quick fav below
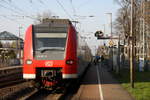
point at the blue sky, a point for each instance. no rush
(11, 12)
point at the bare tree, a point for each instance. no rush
(44, 15)
(122, 23)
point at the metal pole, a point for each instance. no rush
(104, 32)
(119, 55)
(111, 24)
(111, 40)
(131, 49)
(143, 33)
(19, 44)
(104, 28)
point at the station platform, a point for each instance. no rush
(98, 84)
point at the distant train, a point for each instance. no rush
(52, 54)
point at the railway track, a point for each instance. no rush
(9, 70)
(58, 93)
(10, 83)
(10, 80)
(10, 76)
(25, 92)
(14, 91)
(42, 94)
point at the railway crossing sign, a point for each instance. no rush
(111, 43)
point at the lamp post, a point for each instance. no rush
(110, 14)
(104, 32)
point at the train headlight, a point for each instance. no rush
(28, 61)
(70, 62)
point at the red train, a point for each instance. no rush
(50, 52)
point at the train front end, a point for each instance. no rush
(50, 52)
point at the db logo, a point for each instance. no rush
(49, 63)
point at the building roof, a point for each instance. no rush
(8, 36)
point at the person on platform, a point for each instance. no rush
(96, 60)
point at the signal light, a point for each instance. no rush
(99, 34)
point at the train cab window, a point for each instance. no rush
(50, 37)
(51, 41)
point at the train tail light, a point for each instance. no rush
(69, 62)
(28, 61)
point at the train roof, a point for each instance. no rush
(58, 21)
(52, 25)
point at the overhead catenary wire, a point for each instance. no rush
(82, 4)
(15, 7)
(64, 9)
(48, 10)
(31, 6)
(14, 11)
(6, 17)
(41, 5)
(9, 9)
(41, 2)
(30, 1)
(20, 13)
(20, 16)
(73, 8)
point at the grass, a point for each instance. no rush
(142, 84)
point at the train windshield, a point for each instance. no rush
(50, 41)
